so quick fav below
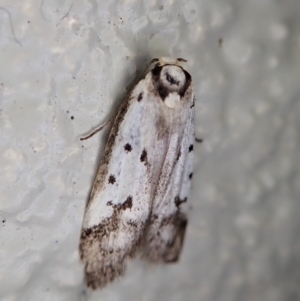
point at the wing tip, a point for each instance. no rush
(98, 275)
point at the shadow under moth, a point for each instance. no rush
(138, 202)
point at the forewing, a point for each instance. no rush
(121, 198)
(167, 224)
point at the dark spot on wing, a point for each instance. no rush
(182, 224)
(127, 203)
(179, 201)
(158, 247)
(140, 97)
(88, 231)
(144, 156)
(118, 207)
(128, 147)
(111, 179)
(103, 263)
(190, 175)
(191, 148)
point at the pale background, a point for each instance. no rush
(64, 69)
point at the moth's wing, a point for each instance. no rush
(121, 198)
(165, 233)
(142, 149)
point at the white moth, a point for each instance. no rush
(138, 200)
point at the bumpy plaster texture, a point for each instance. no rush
(65, 66)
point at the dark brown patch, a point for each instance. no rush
(144, 156)
(179, 201)
(118, 207)
(87, 231)
(103, 264)
(169, 250)
(156, 72)
(127, 203)
(199, 140)
(174, 246)
(181, 222)
(128, 147)
(99, 272)
(140, 97)
(111, 179)
(191, 148)
(190, 176)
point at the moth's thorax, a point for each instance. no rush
(171, 83)
(172, 77)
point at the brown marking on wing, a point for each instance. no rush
(104, 264)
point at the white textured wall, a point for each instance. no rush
(60, 59)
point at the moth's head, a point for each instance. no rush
(170, 79)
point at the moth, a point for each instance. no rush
(138, 202)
